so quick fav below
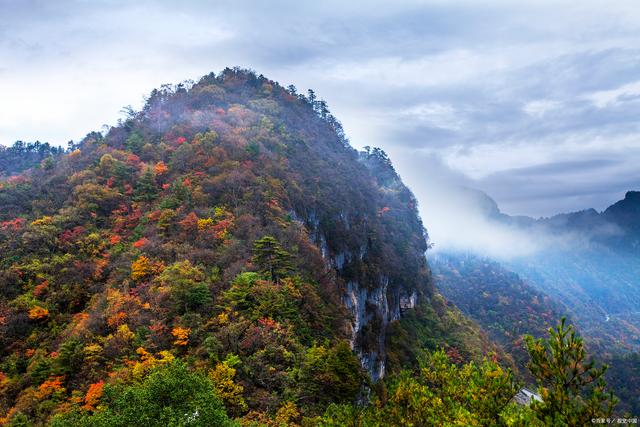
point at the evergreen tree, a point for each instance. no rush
(572, 389)
(271, 259)
(146, 189)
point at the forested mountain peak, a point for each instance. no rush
(226, 228)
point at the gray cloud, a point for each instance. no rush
(535, 103)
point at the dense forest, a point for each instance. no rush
(224, 257)
(24, 155)
(508, 308)
(505, 306)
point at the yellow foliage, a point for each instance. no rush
(228, 390)
(287, 414)
(141, 268)
(144, 267)
(38, 313)
(223, 318)
(205, 223)
(181, 335)
(92, 351)
(125, 333)
(149, 361)
(45, 220)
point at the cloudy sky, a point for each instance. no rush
(536, 103)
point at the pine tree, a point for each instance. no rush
(146, 189)
(271, 259)
(572, 389)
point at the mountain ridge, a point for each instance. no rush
(228, 224)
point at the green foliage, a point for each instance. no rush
(440, 394)
(271, 259)
(572, 388)
(170, 396)
(329, 374)
(135, 141)
(187, 286)
(146, 188)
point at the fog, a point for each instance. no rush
(461, 218)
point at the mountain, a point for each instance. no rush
(586, 266)
(226, 228)
(498, 299)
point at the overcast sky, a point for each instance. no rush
(536, 103)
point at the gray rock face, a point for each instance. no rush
(379, 305)
(372, 306)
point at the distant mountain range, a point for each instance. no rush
(588, 269)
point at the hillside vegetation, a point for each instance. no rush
(221, 255)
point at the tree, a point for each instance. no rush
(271, 258)
(572, 389)
(146, 189)
(442, 393)
(170, 396)
(329, 374)
(187, 285)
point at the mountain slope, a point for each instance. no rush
(585, 266)
(229, 225)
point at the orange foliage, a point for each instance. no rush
(115, 239)
(38, 313)
(78, 326)
(160, 168)
(41, 288)
(50, 386)
(117, 319)
(93, 395)
(190, 222)
(181, 335)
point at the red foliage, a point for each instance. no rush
(40, 289)
(383, 210)
(454, 355)
(154, 216)
(189, 223)
(141, 242)
(69, 236)
(14, 224)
